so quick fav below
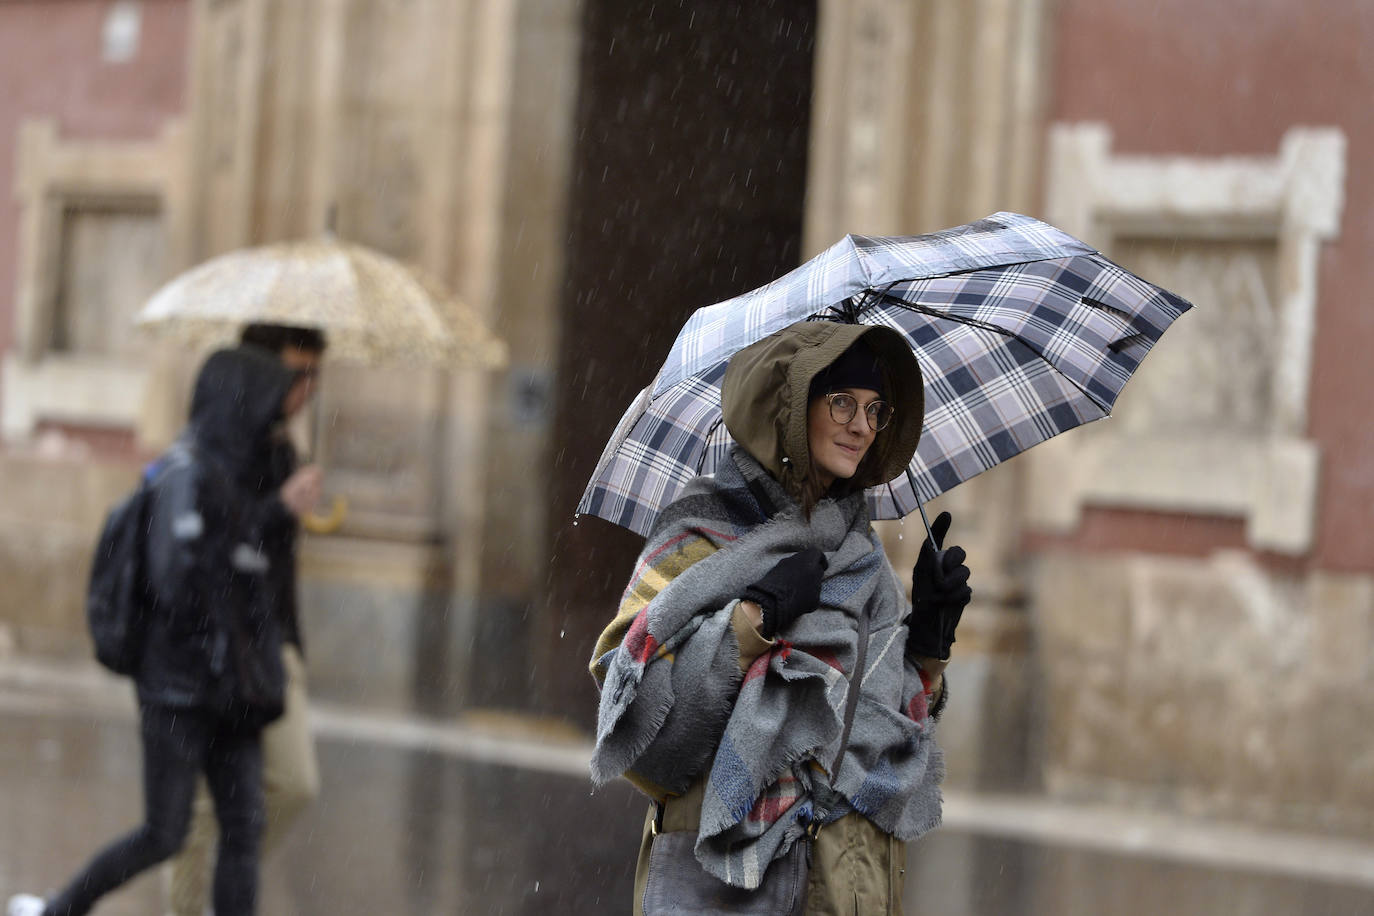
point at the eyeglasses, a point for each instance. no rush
(843, 407)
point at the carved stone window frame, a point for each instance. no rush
(54, 175)
(1293, 199)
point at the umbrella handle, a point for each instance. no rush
(327, 524)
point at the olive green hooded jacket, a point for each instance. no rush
(765, 398)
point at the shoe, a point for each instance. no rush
(26, 905)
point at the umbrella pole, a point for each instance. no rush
(930, 535)
(316, 435)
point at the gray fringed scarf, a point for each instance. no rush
(674, 703)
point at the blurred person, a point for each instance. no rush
(765, 681)
(290, 771)
(209, 674)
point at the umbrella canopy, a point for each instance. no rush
(1021, 332)
(375, 309)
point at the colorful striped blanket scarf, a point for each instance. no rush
(674, 703)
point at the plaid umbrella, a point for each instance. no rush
(1021, 332)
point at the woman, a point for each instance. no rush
(761, 596)
(209, 676)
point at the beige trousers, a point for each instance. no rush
(290, 782)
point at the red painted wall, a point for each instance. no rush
(1209, 79)
(51, 67)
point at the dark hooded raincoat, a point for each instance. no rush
(214, 639)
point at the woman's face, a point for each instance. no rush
(837, 448)
(307, 364)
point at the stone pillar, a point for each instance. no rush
(926, 114)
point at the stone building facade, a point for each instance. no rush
(1175, 607)
(1202, 565)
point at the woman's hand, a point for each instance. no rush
(939, 594)
(788, 590)
(753, 613)
(302, 489)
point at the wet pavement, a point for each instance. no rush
(494, 815)
(397, 830)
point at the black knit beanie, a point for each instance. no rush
(857, 367)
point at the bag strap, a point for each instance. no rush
(762, 498)
(825, 796)
(851, 700)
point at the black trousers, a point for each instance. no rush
(178, 745)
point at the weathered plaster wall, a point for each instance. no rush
(51, 66)
(1181, 664)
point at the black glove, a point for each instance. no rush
(939, 593)
(788, 590)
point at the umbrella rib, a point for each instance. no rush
(886, 296)
(877, 297)
(847, 310)
(706, 442)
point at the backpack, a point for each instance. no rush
(118, 600)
